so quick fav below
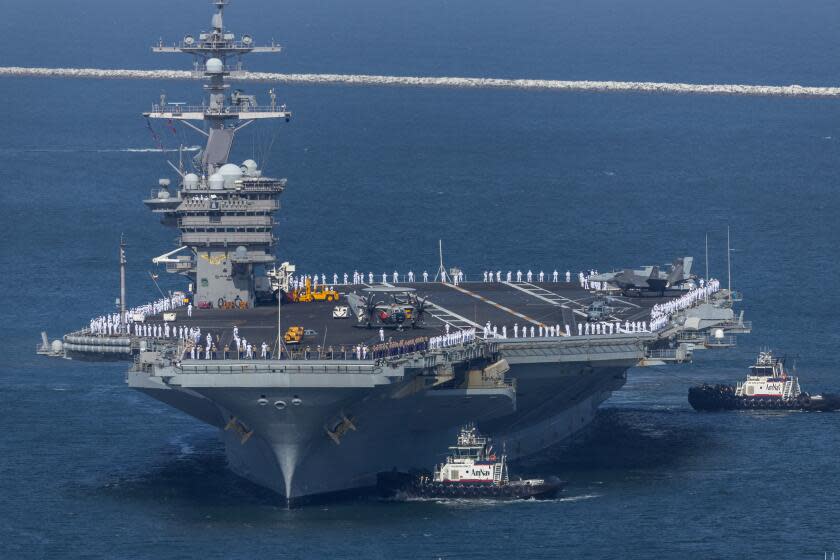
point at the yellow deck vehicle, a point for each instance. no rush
(307, 294)
(293, 335)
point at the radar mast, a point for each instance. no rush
(211, 52)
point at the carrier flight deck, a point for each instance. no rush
(506, 306)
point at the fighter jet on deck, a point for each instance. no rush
(649, 278)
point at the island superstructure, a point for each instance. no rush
(225, 211)
(381, 379)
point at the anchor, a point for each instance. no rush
(340, 429)
(240, 428)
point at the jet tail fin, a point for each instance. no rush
(675, 276)
(680, 271)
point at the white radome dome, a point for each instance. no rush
(216, 181)
(230, 172)
(191, 181)
(214, 66)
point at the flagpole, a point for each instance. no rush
(728, 265)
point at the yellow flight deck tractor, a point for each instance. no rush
(307, 294)
(293, 335)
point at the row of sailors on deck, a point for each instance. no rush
(605, 327)
(367, 278)
(110, 324)
(666, 309)
(584, 329)
(297, 282)
(493, 331)
(155, 330)
(541, 276)
(529, 276)
(451, 338)
(396, 277)
(247, 351)
(400, 347)
(488, 276)
(244, 350)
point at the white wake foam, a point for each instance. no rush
(447, 82)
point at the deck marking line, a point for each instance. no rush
(497, 305)
(542, 297)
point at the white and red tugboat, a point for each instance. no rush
(472, 470)
(767, 387)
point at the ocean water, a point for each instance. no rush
(507, 179)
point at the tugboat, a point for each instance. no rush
(768, 387)
(471, 470)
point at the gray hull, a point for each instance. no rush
(290, 452)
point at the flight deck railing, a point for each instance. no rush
(313, 360)
(233, 367)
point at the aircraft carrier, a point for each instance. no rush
(317, 384)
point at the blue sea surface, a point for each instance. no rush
(507, 179)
